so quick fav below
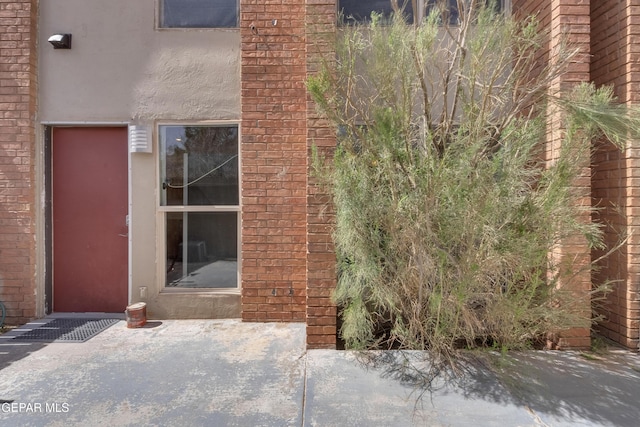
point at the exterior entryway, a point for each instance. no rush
(89, 182)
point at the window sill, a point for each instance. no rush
(194, 291)
(189, 29)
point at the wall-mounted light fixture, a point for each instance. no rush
(139, 138)
(60, 41)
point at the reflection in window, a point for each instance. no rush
(202, 249)
(200, 165)
(360, 10)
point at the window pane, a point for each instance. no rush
(199, 14)
(360, 10)
(202, 249)
(199, 165)
(451, 12)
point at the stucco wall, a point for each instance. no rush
(121, 68)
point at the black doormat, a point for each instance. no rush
(66, 330)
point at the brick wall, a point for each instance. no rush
(18, 23)
(288, 261)
(274, 160)
(615, 182)
(570, 18)
(321, 261)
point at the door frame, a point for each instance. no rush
(47, 220)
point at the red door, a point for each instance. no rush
(89, 193)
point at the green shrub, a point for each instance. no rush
(446, 211)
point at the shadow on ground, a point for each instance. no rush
(152, 324)
(566, 385)
(11, 352)
(556, 388)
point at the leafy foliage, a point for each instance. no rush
(446, 209)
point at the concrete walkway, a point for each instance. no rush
(229, 373)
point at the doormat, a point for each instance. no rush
(66, 330)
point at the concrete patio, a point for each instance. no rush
(229, 373)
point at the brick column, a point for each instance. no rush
(18, 92)
(571, 19)
(568, 20)
(274, 160)
(615, 182)
(321, 259)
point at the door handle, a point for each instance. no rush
(124, 235)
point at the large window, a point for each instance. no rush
(360, 10)
(200, 201)
(198, 13)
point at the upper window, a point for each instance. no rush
(199, 13)
(360, 10)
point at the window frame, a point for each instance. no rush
(160, 26)
(163, 210)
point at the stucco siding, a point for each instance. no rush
(121, 67)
